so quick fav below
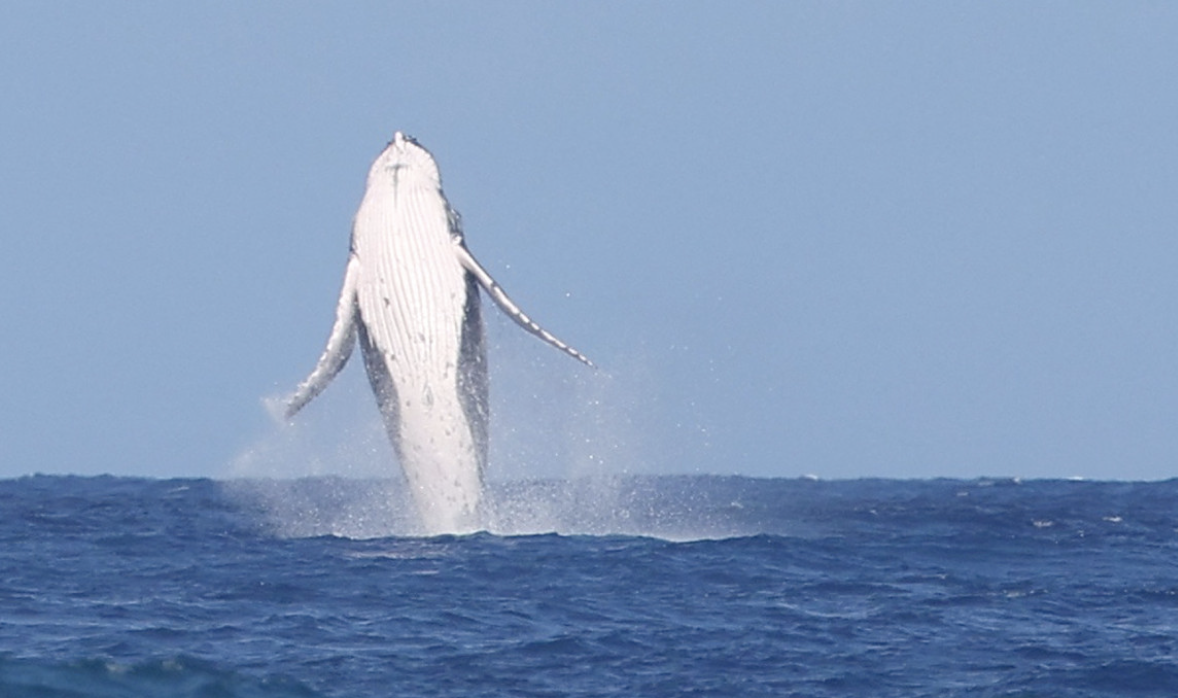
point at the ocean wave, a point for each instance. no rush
(178, 677)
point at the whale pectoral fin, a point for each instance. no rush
(468, 262)
(339, 344)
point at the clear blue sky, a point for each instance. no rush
(847, 239)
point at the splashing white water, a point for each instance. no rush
(634, 506)
(562, 444)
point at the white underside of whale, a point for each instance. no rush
(410, 299)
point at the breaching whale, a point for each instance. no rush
(411, 298)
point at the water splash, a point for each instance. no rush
(675, 508)
(565, 445)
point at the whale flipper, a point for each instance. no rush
(339, 345)
(508, 306)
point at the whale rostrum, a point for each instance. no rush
(410, 298)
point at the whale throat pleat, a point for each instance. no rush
(413, 303)
(413, 294)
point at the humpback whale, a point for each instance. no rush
(411, 300)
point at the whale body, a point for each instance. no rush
(411, 300)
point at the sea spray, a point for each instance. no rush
(676, 508)
(562, 446)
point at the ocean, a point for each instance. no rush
(628, 586)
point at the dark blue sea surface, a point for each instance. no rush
(649, 586)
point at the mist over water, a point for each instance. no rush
(566, 445)
(676, 508)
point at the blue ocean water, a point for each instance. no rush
(651, 586)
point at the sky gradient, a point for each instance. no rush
(842, 239)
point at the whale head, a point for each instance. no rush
(404, 163)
